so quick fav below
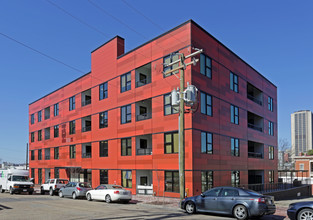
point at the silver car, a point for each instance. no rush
(109, 193)
(75, 190)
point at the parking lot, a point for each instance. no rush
(23, 206)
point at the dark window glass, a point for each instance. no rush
(171, 143)
(127, 178)
(103, 91)
(72, 103)
(72, 127)
(271, 128)
(169, 59)
(206, 142)
(171, 181)
(126, 147)
(206, 104)
(56, 109)
(270, 104)
(47, 154)
(233, 82)
(39, 135)
(234, 147)
(103, 145)
(56, 173)
(206, 180)
(206, 65)
(126, 82)
(39, 116)
(56, 153)
(56, 131)
(104, 177)
(72, 151)
(87, 150)
(32, 118)
(32, 155)
(47, 113)
(168, 108)
(39, 176)
(32, 137)
(47, 133)
(235, 178)
(103, 119)
(234, 114)
(229, 193)
(32, 173)
(126, 114)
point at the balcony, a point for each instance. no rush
(254, 94)
(144, 145)
(255, 150)
(143, 75)
(86, 150)
(143, 110)
(144, 182)
(86, 97)
(86, 123)
(255, 122)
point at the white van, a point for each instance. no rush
(15, 181)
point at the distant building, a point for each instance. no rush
(305, 164)
(285, 160)
(301, 132)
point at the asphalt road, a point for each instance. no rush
(52, 207)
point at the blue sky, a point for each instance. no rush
(275, 37)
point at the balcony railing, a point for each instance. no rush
(86, 102)
(255, 127)
(86, 155)
(255, 155)
(143, 82)
(88, 128)
(144, 116)
(253, 98)
(144, 151)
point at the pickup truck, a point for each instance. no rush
(52, 186)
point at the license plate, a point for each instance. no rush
(24, 190)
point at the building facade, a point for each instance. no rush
(301, 132)
(116, 124)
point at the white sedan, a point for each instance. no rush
(109, 193)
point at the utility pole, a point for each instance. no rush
(182, 66)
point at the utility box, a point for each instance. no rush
(175, 99)
(191, 95)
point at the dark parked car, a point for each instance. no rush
(241, 203)
(300, 210)
(74, 190)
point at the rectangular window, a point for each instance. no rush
(56, 131)
(206, 180)
(72, 151)
(47, 113)
(47, 154)
(206, 104)
(206, 66)
(233, 82)
(234, 114)
(32, 118)
(270, 104)
(103, 119)
(56, 173)
(32, 173)
(171, 143)
(126, 147)
(127, 178)
(169, 59)
(32, 155)
(39, 135)
(126, 82)
(103, 148)
(39, 176)
(271, 152)
(56, 153)
(168, 108)
(39, 154)
(271, 176)
(171, 181)
(72, 103)
(32, 137)
(235, 178)
(271, 128)
(126, 114)
(206, 143)
(104, 177)
(39, 116)
(235, 147)
(56, 109)
(103, 91)
(72, 127)
(301, 166)
(47, 133)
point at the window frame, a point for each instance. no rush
(47, 134)
(103, 117)
(39, 154)
(235, 147)
(271, 152)
(270, 105)
(171, 58)
(104, 176)
(271, 176)
(56, 153)
(169, 186)
(39, 133)
(32, 137)
(168, 105)
(235, 182)
(103, 91)
(207, 180)
(204, 66)
(127, 85)
(39, 116)
(207, 144)
(234, 117)
(124, 118)
(128, 182)
(105, 151)
(72, 151)
(128, 147)
(234, 82)
(56, 131)
(270, 128)
(204, 105)
(172, 143)
(32, 119)
(56, 109)
(72, 127)
(72, 103)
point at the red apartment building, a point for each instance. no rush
(115, 124)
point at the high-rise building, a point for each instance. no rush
(301, 132)
(116, 123)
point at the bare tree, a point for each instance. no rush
(283, 144)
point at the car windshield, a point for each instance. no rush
(86, 185)
(62, 181)
(20, 178)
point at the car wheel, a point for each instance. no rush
(190, 208)
(51, 192)
(240, 212)
(305, 214)
(42, 192)
(108, 199)
(89, 197)
(30, 193)
(74, 195)
(11, 190)
(60, 194)
(1, 190)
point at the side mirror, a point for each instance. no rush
(202, 195)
